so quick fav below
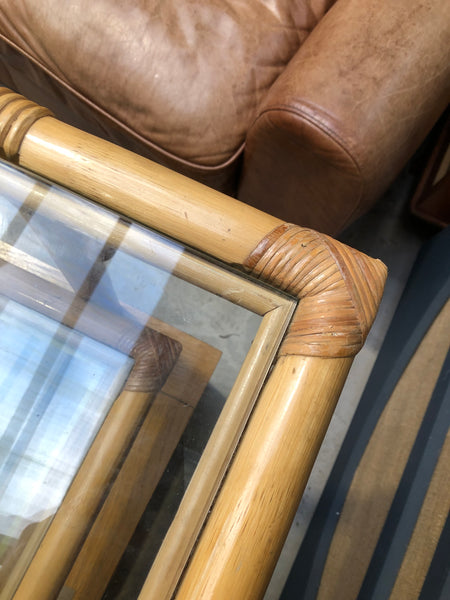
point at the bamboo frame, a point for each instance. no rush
(338, 290)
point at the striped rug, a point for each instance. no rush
(382, 529)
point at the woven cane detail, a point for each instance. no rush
(339, 289)
(154, 353)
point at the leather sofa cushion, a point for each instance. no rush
(184, 77)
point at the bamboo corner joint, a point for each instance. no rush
(338, 290)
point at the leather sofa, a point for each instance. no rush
(307, 109)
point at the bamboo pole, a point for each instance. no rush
(242, 540)
(338, 289)
(208, 476)
(144, 191)
(129, 495)
(138, 242)
(155, 355)
(53, 559)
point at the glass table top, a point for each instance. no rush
(79, 288)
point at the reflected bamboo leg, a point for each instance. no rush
(55, 555)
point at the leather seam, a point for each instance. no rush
(126, 129)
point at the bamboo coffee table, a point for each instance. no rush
(314, 298)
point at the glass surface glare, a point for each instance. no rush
(78, 287)
(56, 388)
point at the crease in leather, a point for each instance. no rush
(123, 126)
(331, 134)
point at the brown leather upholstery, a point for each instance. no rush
(324, 121)
(181, 78)
(350, 109)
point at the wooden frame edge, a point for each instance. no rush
(130, 184)
(276, 309)
(339, 291)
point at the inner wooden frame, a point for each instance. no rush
(338, 288)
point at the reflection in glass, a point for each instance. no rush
(56, 387)
(78, 284)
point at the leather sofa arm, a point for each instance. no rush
(348, 112)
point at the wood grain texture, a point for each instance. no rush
(55, 205)
(145, 462)
(17, 558)
(193, 368)
(14, 256)
(243, 537)
(215, 460)
(16, 117)
(128, 497)
(144, 191)
(338, 287)
(154, 356)
(66, 533)
(338, 291)
(154, 353)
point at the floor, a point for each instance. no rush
(390, 233)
